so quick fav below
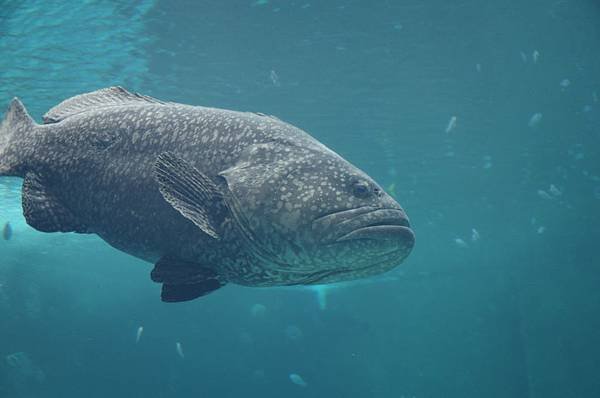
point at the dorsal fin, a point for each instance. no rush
(14, 129)
(106, 97)
(17, 115)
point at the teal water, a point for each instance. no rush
(513, 313)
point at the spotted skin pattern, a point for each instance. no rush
(289, 210)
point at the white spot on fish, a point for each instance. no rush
(138, 335)
(564, 83)
(451, 124)
(179, 350)
(297, 380)
(535, 120)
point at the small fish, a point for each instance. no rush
(321, 291)
(391, 189)
(258, 310)
(474, 235)
(138, 335)
(179, 350)
(523, 57)
(554, 191)
(535, 120)
(535, 55)
(461, 243)
(297, 380)
(487, 162)
(7, 231)
(451, 124)
(478, 67)
(544, 195)
(293, 333)
(274, 78)
(541, 230)
(564, 83)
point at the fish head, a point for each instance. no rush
(307, 211)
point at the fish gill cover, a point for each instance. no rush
(482, 120)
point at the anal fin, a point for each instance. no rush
(183, 280)
(44, 212)
(179, 293)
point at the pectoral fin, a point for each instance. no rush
(44, 211)
(189, 191)
(183, 280)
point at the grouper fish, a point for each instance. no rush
(209, 196)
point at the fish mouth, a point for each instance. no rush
(366, 223)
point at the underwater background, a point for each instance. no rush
(481, 117)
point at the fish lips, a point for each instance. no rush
(366, 223)
(382, 232)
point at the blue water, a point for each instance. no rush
(513, 313)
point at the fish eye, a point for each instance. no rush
(361, 189)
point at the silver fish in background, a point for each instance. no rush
(210, 196)
(7, 231)
(179, 350)
(138, 334)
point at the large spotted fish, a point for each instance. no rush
(210, 196)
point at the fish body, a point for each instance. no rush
(210, 196)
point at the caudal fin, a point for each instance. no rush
(16, 124)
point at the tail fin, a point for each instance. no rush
(16, 124)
